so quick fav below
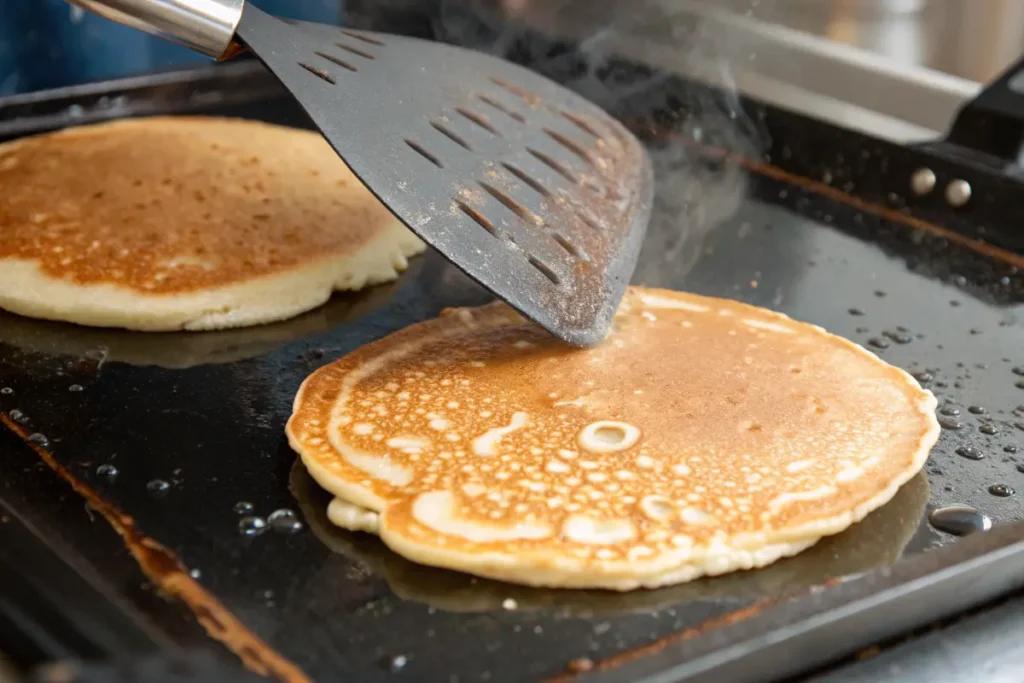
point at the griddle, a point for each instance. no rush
(799, 216)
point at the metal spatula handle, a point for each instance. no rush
(206, 26)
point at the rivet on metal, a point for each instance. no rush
(958, 193)
(923, 181)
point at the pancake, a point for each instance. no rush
(876, 541)
(702, 436)
(186, 224)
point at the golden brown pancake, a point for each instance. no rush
(878, 540)
(702, 436)
(186, 223)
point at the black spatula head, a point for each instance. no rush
(533, 191)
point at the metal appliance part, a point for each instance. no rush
(206, 26)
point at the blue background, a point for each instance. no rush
(48, 43)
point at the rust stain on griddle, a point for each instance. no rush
(164, 569)
(677, 637)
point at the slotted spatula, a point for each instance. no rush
(530, 189)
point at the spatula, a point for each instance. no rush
(533, 191)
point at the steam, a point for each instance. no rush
(600, 49)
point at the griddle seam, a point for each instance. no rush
(165, 570)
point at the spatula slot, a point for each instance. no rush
(478, 119)
(566, 244)
(365, 39)
(545, 270)
(512, 205)
(478, 217)
(571, 145)
(588, 221)
(451, 135)
(522, 93)
(424, 153)
(336, 60)
(527, 180)
(355, 51)
(582, 124)
(553, 164)
(514, 115)
(319, 73)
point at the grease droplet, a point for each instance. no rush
(243, 507)
(284, 521)
(970, 452)
(107, 470)
(38, 439)
(959, 520)
(949, 410)
(252, 526)
(989, 429)
(6, 391)
(75, 387)
(158, 488)
(878, 343)
(950, 423)
(1001, 490)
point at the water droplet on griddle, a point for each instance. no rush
(923, 376)
(38, 439)
(195, 573)
(954, 303)
(243, 507)
(397, 663)
(1020, 468)
(6, 391)
(878, 343)
(960, 281)
(107, 470)
(1020, 384)
(862, 330)
(1001, 490)
(1010, 448)
(970, 452)
(252, 526)
(950, 423)
(974, 330)
(977, 410)
(879, 293)
(856, 311)
(949, 410)
(18, 416)
(158, 487)
(284, 521)
(899, 337)
(989, 429)
(1019, 370)
(959, 520)
(75, 387)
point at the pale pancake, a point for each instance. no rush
(703, 436)
(186, 223)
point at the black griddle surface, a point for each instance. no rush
(340, 604)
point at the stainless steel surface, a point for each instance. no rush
(206, 26)
(970, 39)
